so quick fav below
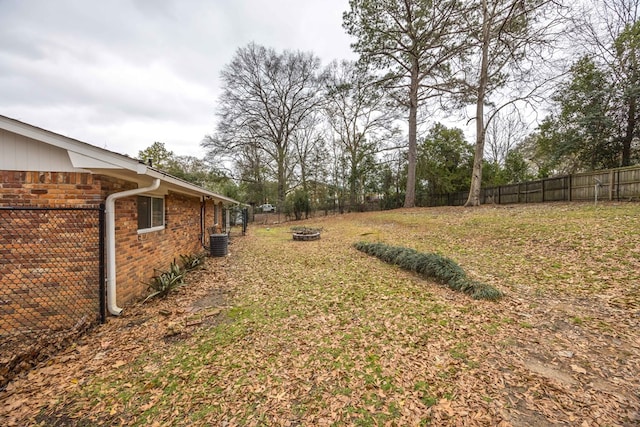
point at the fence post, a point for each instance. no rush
(569, 188)
(543, 181)
(611, 184)
(101, 272)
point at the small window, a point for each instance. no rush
(150, 213)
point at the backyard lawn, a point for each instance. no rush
(285, 332)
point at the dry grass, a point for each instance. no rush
(317, 333)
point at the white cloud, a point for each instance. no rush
(123, 74)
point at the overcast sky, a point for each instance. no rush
(121, 74)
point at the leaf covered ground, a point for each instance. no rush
(287, 332)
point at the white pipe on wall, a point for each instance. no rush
(110, 220)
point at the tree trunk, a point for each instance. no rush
(282, 180)
(476, 176)
(353, 188)
(628, 137)
(410, 195)
(303, 175)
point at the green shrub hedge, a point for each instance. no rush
(434, 266)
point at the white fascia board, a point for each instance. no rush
(87, 162)
(81, 154)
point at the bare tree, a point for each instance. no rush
(359, 115)
(266, 97)
(309, 145)
(504, 132)
(600, 22)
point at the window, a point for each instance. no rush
(150, 213)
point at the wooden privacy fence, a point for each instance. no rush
(611, 184)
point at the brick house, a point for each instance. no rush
(151, 217)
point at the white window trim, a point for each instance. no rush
(149, 230)
(157, 227)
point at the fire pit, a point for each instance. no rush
(305, 233)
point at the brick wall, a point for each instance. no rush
(49, 269)
(48, 259)
(53, 189)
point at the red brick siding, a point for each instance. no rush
(53, 189)
(209, 220)
(48, 257)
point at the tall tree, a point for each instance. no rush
(266, 96)
(581, 135)
(413, 41)
(609, 32)
(627, 54)
(508, 49)
(360, 117)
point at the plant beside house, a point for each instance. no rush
(189, 262)
(164, 282)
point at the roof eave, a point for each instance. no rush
(86, 156)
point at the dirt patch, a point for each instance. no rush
(217, 297)
(549, 372)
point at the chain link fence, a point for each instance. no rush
(51, 281)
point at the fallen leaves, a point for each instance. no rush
(578, 369)
(319, 334)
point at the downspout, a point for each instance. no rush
(110, 217)
(203, 220)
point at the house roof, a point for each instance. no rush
(101, 161)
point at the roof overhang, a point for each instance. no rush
(100, 161)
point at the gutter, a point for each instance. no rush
(110, 220)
